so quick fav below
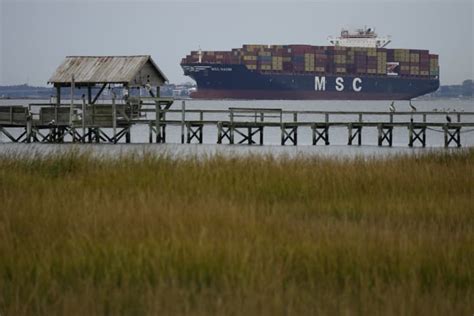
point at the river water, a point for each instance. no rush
(338, 136)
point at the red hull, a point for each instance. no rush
(295, 95)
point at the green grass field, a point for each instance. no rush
(236, 236)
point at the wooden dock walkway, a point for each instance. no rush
(112, 122)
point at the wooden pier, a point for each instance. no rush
(112, 122)
(94, 120)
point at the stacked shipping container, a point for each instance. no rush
(324, 59)
(434, 66)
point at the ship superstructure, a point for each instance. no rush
(365, 37)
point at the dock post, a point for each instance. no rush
(29, 129)
(188, 133)
(458, 138)
(219, 132)
(326, 129)
(183, 119)
(58, 95)
(157, 122)
(446, 143)
(410, 134)
(326, 133)
(349, 140)
(282, 135)
(83, 119)
(424, 131)
(359, 137)
(71, 108)
(295, 119)
(89, 134)
(163, 128)
(97, 134)
(424, 137)
(128, 136)
(114, 119)
(89, 94)
(379, 129)
(150, 132)
(231, 127)
(201, 128)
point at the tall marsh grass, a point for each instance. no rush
(251, 235)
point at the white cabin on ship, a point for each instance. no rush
(365, 37)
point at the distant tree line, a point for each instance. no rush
(25, 91)
(465, 90)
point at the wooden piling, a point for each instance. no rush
(71, 107)
(232, 128)
(128, 135)
(219, 132)
(183, 120)
(157, 122)
(150, 132)
(114, 120)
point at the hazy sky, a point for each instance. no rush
(36, 35)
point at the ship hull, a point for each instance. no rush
(237, 82)
(219, 94)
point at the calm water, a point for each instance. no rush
(338, 136)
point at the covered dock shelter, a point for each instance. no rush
(97, 72)
(86, 78)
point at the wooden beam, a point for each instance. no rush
(89, 94)
(98, 93)
(58, 95)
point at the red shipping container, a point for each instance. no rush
(299, 49)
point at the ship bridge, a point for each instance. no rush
(365, 37)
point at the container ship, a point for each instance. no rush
(355, 66)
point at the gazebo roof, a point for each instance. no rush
(89, 70)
